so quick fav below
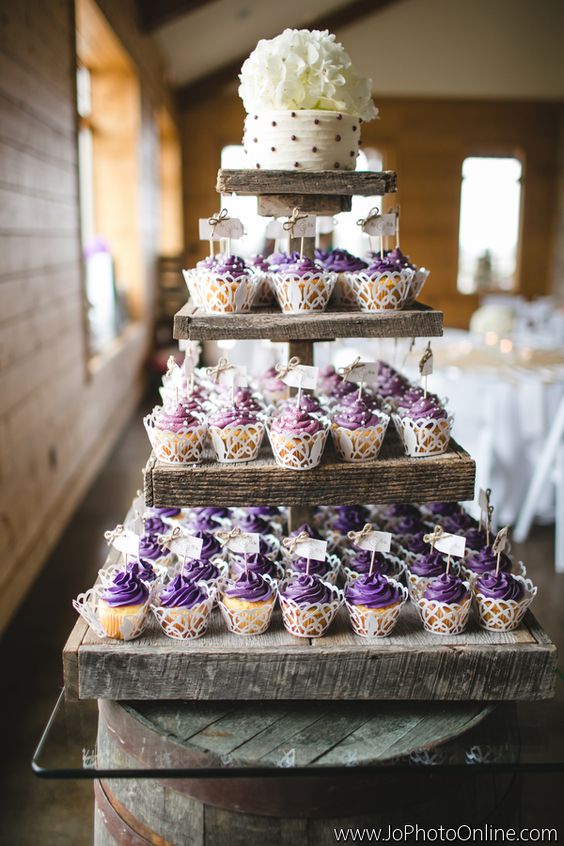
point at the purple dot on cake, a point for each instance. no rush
(354, 129)
(296, 164)
(339, 117)
(273, 123)
(293, 114)
(337, 137)
(337, 165)
(274, 150)
(314, 149)
(293, 137)
(316, 120)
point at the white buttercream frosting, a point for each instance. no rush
(307, 139)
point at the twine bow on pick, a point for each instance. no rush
(284, 369)
(225, 537)
(222, 366)
(372, 215)
(289, 225)
(217, 218)
(357, 537)
(291, 543)
(112, 534)
(345, 372)
(165, 540)
(425, 357)
(434, 536)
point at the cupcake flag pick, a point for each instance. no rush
(500, 545)
(306, 547)
(360, 372)
(372, 540)
(484, 503)
(378, 225)
(225, 373)
(298, 376)
(242, 543)
(299, 226)
(182, 544)
(220, 226)
(124, 540)
(489, 515)
(450, 545)
(426, 366)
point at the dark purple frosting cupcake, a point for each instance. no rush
(360, 562)
(375, 591)
(141, 569)
(443, 508)
(342, 388)
(210, 545)
(410, 526)
(447, 588)
(401, 509)
(154, 526)
(486, 561)
(150, 549)
(181, 592)
(256, 563)
(355, 415)
(200, 570)
(254, 523)
(249, 587)
(308, 590)
(475, 539)
(458, 523)
(316, 568)
(500, 585)
(429, 565)
(308, 529)
(166, 512)
(426, 409)
(349, 518)
(415, 544)
(126, 589)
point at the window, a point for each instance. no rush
(245, 208)
(109, 115)
(488, 239)
(346, 232)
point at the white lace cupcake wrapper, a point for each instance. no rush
(416, 285)
(343, 293)
(504, 615)
(192, 279)
(264, 295)
(441, 618)
(183, 447)
(315, 619)
(380, 291)
(360, 444)
(310, 292)
(228, 294)
(186, 623)
(298, 452)
(132, 625)
(247, 621)
(237, 443)
(423, 437)
(377, 622)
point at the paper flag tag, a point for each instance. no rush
(483, 500)
(275, 230)
(311, 548)
(376, 541)
(367, 371)
(451, 545)
(302, 376)
(186, 546)
(304, 227)
(427, 366)
(381, 224)
(229, 227)
(127, 542)
(236, 376)
(501, 541)
(247, 543)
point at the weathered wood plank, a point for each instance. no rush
(419, 321)
(392, 477)
(282, 205)
(345, 183)
(70, 658)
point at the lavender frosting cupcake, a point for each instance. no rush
(236, 434)
(122, 606)
(445, 605)
(298, 439)
(303, 286)
(358, 431)
(177, 434)
(374, 602)
(424, 428)
(247, 603)
(309, 605)
(229, 286)
(184, 608)
(502, 600)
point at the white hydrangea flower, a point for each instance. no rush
(303, 69)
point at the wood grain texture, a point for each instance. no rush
(282, 205)
(409, 665)
(392, 477)
(367, 183)
(419, 321)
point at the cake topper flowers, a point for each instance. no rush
(303, 69)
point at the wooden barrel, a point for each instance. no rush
(288, 808)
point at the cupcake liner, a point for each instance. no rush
(186, 623)
(310, 292)
(192, 279)
(313, 620)
(343, 292)
(298, 452)
(183, 447)
(117, 626)
(381, 291)
(363, 444)
(398, 569)
(377, 622)
(504, 615)
(264, 295)
(423, 437)
(237, 443)
(331, 576)
(416, 286)
(441, 618)
(227, 294)
(249, 621)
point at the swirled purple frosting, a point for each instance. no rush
(302, 267)
(370, 400)
(154, 526)
(356, 415)
(475, 539)
(214, 512)
(400, 259)
(267, 512)
(362, 560)
(253, 523)
(232, 416)
(150, 549)
(207, 263)
(426, 408)
(394, 386)
(457, 523)
(277, 260)
(181, 592)
(447, 588)
(259, 262)
(210, 545)
(141, 569)
(409, 526)
(249, 587)
(166, 512)
(444, 508)
(256, 563)
(427, 566)
(316, 568)
(244, 398)
(175, 419)
(200, 570)
(308, 403)
(486, 560)
(499, 586)
(342, 388)
(308, 590)
(381, 265)
(234, 265)
(341, 261)
(328, 378)
(126, 589)
(271, 381)
(401, 509)
(308, 529)
(296, 421)
(349, 518)
(375, 591)
(415, 544)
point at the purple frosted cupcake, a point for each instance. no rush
(201, 570)
(152, 552)
(502, 600)
(236, 434)
(326, 570)
(309, 605)
(342, 262)
(273, 388)
(445, 605)
(184, 609)
(262, 269)
(298, 439)
(485, 561)
(256, 563)
(424, 428)
(303, 286)
(229, 286)
(177, 434)
(358, 431)
(122, 606)
(423, 569)
(374, 603)
(381, 286)
(247, 603)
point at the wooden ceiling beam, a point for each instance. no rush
(209, 83)
(152, 15)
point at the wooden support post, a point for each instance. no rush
(298, 514)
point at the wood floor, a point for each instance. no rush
(59, 813)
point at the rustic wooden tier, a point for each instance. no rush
(323, 192)
(419, 321)
(411, 664)
(392, 477)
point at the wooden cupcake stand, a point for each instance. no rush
(411, 664)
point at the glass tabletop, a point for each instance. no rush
(102, 739)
